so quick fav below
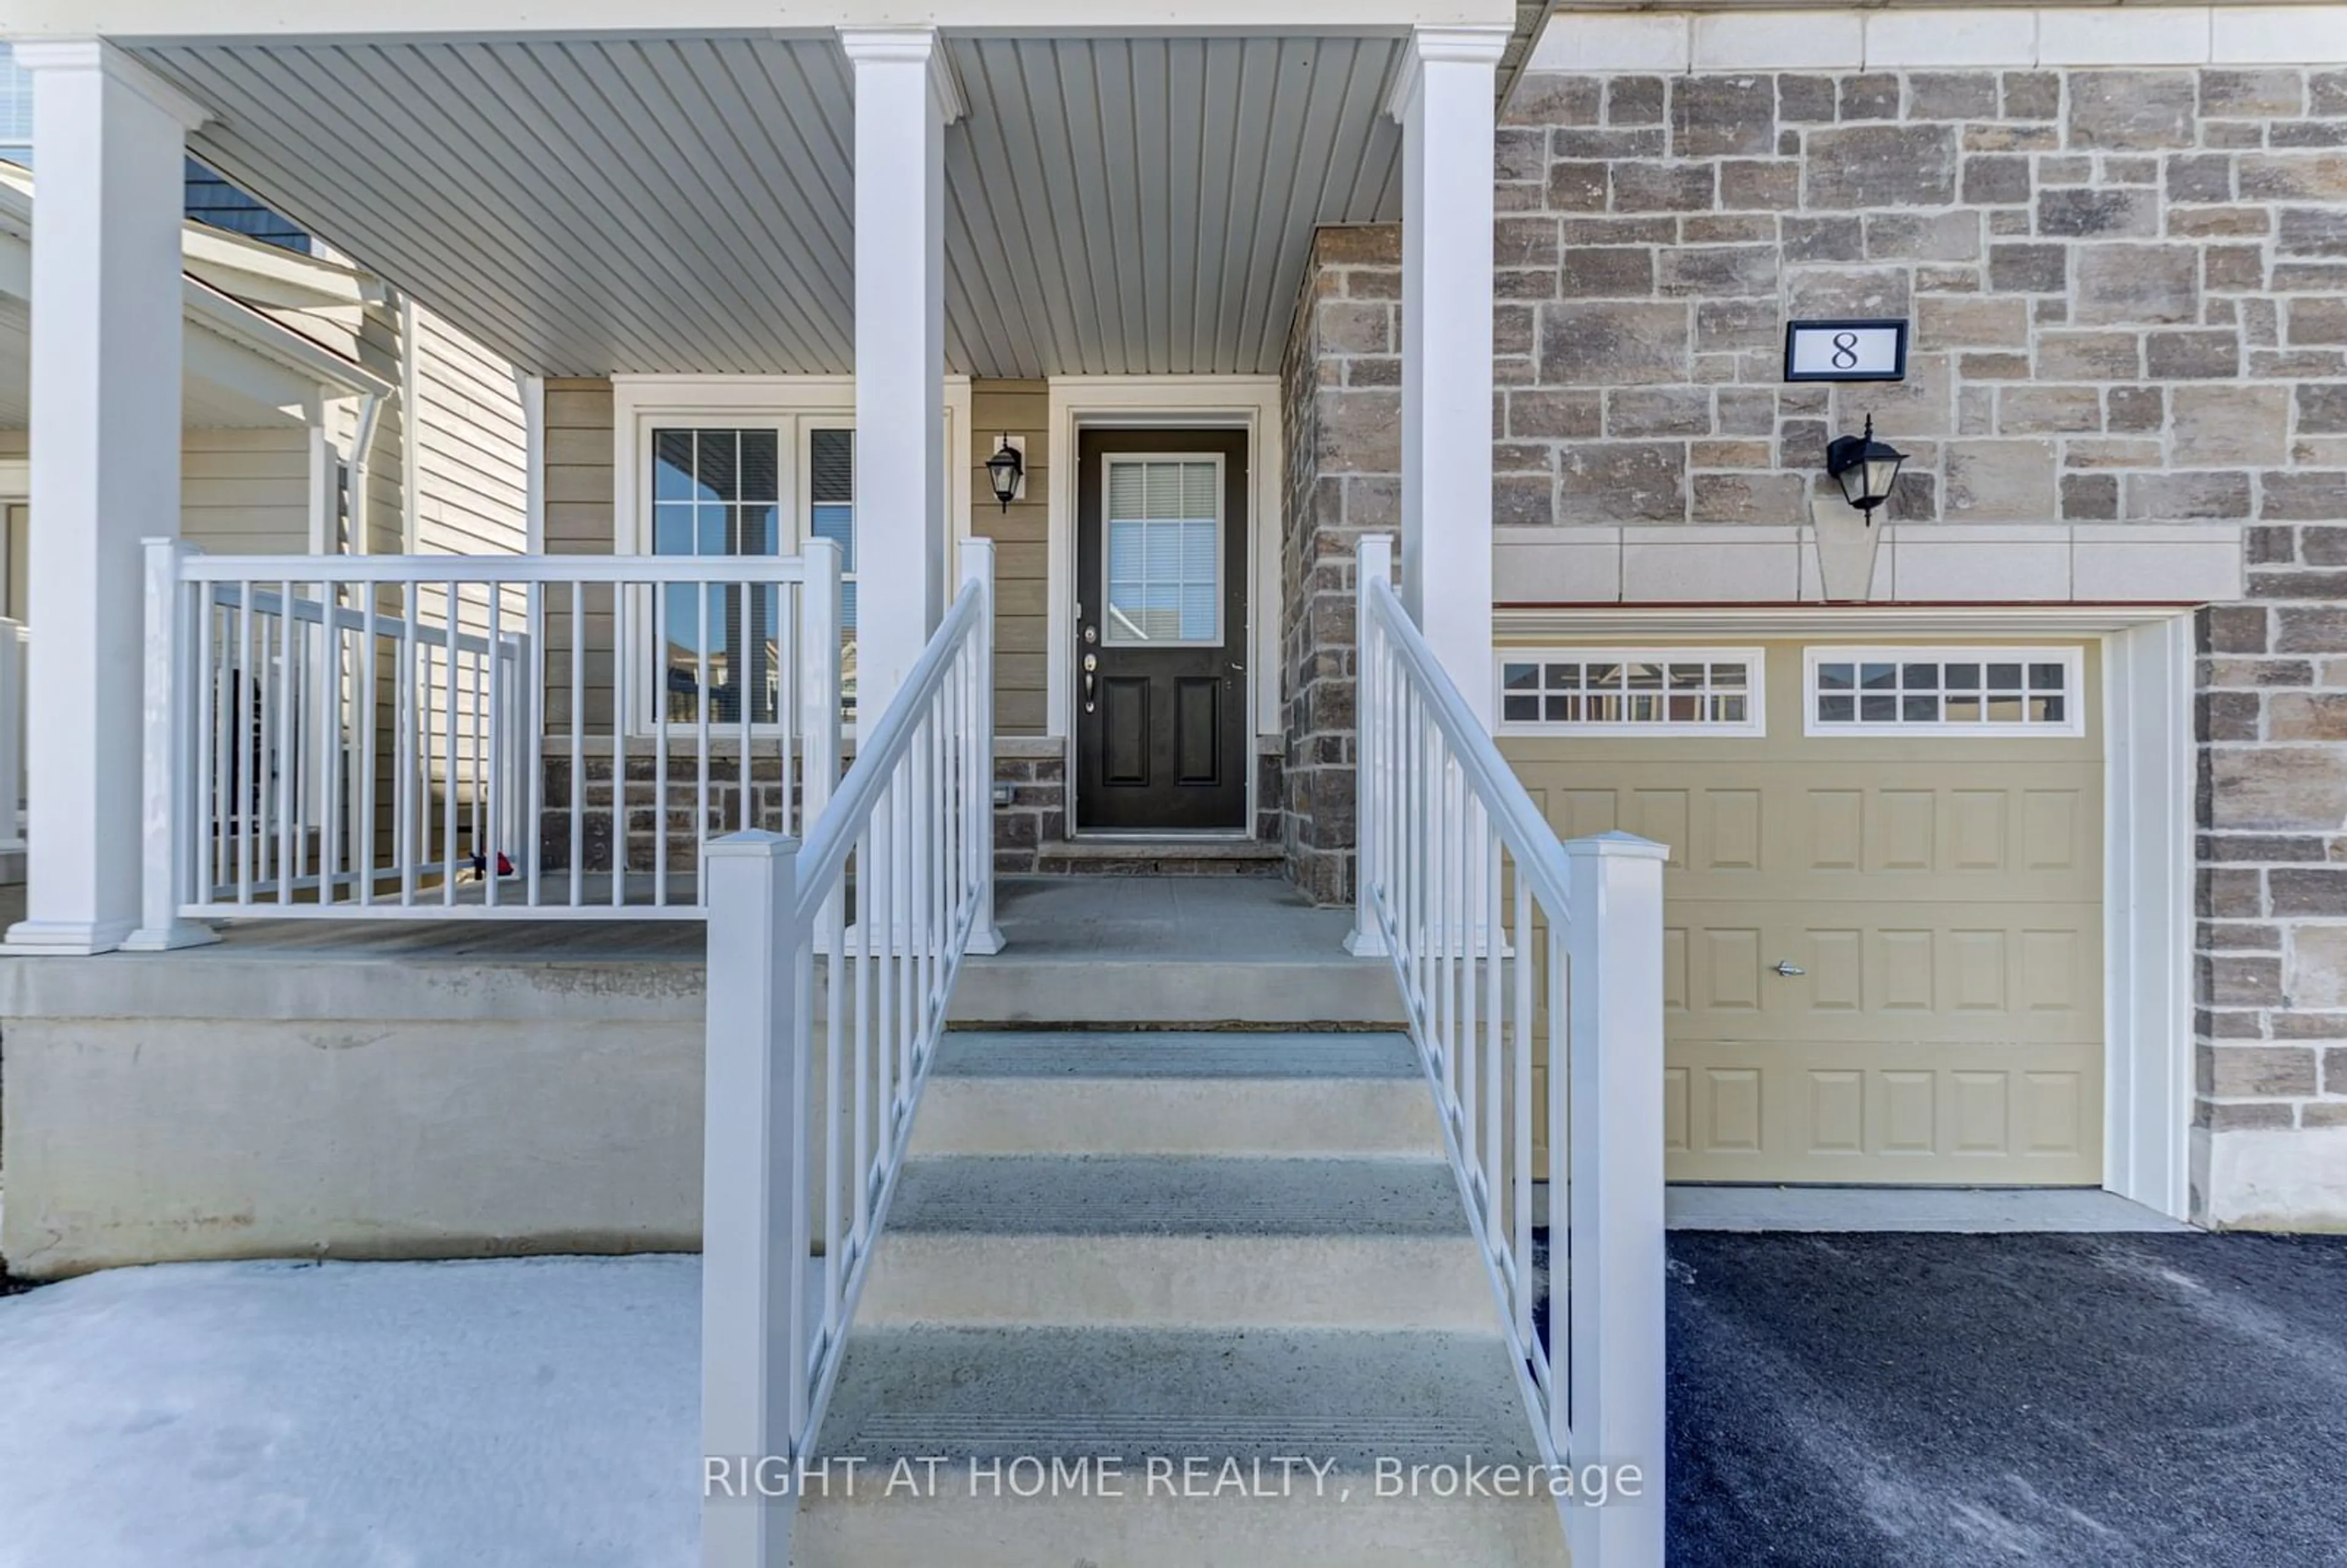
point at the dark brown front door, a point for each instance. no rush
(1160, 629)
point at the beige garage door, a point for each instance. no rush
(1884, 924)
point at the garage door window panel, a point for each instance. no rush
(1977, 691)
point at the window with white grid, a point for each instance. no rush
(1632, 692)
(1945, 690)
(1164, 529)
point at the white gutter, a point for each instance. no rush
(362, 466)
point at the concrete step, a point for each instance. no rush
(1177, 1094)
(1170, 952)
(1195, 1410)
(1098, 1194)
(1185, 1243)
(1173, 856)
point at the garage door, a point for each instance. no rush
(1883, 958)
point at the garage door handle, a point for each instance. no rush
(1786, 968)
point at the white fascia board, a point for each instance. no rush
(272, 275)
(316, 365)
(224, 21)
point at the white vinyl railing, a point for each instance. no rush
(811, 1084)
(1532, 973)
(14, 649)
(477, 736)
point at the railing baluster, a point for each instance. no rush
(577, 745)
(490, 733)
(659, 745)
(369, 655)
(532, 751)
(451, 610)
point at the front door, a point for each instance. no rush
(1161, 630)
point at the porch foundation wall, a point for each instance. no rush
(2124, 290)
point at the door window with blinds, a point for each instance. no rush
(752, 487)
(1162, 555)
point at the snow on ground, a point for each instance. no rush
(502, 1414)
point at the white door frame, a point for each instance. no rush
(1250, 403)
(2149, 817)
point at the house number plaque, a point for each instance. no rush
(1846, 351)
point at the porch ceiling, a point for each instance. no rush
(1114, 205)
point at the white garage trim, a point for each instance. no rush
(2148, 830)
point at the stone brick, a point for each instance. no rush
(2289, 788)
(1710, 271)
(2203, 223)
(2132, 110)
(1916, 237)
(1523, 500)
(1815, 238)
(1614, 344)
(2000, 481)
(1357, 429)
(1726, 325)
(1942, 321)
(1621, 481)
(1816, 293)
(2089, 213)
(2224, 426)
(1777, 498)
(1598, 271)
(1746, 411)
(1577, 187)
(1867, 167)
(2090, 498)
(2187, 497)
(2234, 268)
(1951, 94)
(2029, 268)
(2262, 1070)
(2044, 410)
(2031, 95)
(1713, 117)
(2293, 176)
(2200, 177)
(2327, 93)
(1996, 180)
(1518, 154)
(1808, 99)
(1771, 186)
(2136, 408)
(2312, 231)
(1634, 100)
(2138, 283)
(1663, 187)
(1659, 410)
(1348, 327)
(2089, 355)
(2242, 981)
(2307, 716)
(2322, 408)
(2310, 629)
(1550, 414)
(2252, 95)
(1872, 95)
(2192, 356)
(1546, 98)
(2243, 1116)
(2317, 321)
(2315, 496)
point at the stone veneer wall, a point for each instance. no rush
(1341, 377)
(2127, 286)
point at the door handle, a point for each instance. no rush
(1786, 968)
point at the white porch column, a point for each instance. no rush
(904, 98)
(106, 351)
(1443, 98)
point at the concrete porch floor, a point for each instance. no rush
(1085, 949)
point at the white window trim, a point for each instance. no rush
(2072, 658)
(1755, 661)
(1222, 585)
(640, 404)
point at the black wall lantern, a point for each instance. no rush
(1864, 468)
(1004, 470)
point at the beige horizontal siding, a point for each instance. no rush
(1021, 548)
